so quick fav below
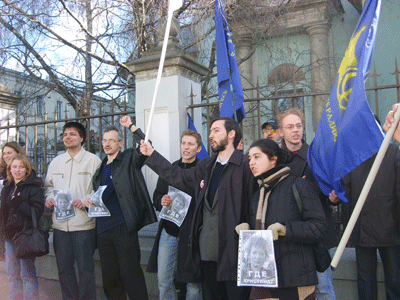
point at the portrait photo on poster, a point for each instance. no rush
(256, 262)
(99, 209)
(64, 210)
(177, 210)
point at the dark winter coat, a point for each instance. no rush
(15, 210)
(379, 222)
(184, 229)
(129, 184)
(236, 185)
(299, 168)
(293, 253)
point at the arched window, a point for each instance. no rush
(286, 80)
(286, 73)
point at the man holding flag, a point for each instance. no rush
(377, 228)
(347, 136)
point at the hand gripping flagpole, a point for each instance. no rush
(365, 191)
(173, 5)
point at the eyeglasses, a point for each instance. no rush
(266, 131)
(291, 126)
(109, 141)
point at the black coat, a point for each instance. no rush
(129, 184)
(15, 210)
(293, 253)
(236, 185)
(184, 229)
(299, 167)
(379, 222)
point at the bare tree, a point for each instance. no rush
(77, 44)
(84, 44)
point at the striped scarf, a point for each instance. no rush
(267, 182)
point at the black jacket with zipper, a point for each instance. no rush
(16, 203)
(294, 255)
(129, 184)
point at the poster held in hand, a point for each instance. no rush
(64, 210)
(99, 209)
(256, 261)
(177, 210)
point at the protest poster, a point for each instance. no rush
(177, 210)
(256, 259)
(64, 210)
(99, 209)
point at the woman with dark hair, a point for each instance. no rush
(274, 207)
(21, 192)
(9, 150)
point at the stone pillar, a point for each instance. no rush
(320, 70)
(181, 74)
(243, 48)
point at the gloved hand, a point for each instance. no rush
(277, 230)
(243, 226)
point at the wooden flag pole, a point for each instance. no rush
(173, 5)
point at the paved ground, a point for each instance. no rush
(48, 289)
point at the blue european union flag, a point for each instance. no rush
(203, 153)
(230, 90)
(348, 133)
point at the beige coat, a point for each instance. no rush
(75, 173)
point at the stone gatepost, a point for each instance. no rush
(181, 75)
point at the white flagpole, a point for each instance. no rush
(365, 191)
(172, 5)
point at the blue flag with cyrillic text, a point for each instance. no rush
(203, 153)
(230, 92)
(348, 132)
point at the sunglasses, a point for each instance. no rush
(270, 131)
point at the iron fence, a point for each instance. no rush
(42, 139)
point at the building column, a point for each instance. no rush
(181, 76)
(243, 48)
(320, 70)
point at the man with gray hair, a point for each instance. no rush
(128, 201)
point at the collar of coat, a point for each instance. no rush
(78, 157)
(236, 157)
(303, 150)
(187, 165)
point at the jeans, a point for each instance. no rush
(70, 247)
(366, 271)
(120, 264)
(21, 272)
(324, 289)
(167, 269)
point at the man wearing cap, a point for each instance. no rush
(270, 130)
